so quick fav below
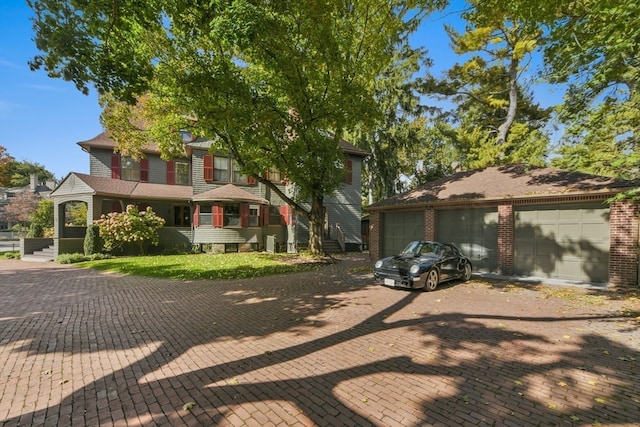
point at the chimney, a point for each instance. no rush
(33, 182)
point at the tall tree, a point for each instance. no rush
(267, 80)
(22, 172)
(399, 127)
(497, 118)
(593, 46)
(20, 208)
(7, 164)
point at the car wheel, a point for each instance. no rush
(466, 275)
(431, 282)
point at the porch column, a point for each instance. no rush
(505, 239)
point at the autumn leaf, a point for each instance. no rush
(187, 406)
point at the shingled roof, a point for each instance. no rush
(506, 182)
(229, 192)
(119, 188)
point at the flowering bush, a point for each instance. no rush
(131, 226)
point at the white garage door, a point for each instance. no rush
(569, 242)
(400, 228)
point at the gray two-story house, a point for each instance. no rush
(204, 199)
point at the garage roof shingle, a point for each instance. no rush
(506, 182)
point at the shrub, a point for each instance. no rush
(93, 243)
(78, 257)
(70, 258)
(35, 230)
(132, 226)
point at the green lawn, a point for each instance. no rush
(207, 266)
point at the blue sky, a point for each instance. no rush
(42, 119)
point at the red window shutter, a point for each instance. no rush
(264, 217)
(115, 166)
(171, 173)
(349, 167)
(244, 214)
(196, 216)
(208, 167)
(144, 170)
(251, 180)
(218, 215)
(285, 215)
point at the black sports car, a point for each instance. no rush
(423, 265)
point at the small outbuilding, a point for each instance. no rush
(522, 221)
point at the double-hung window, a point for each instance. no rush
(129, 169)
(221, 169)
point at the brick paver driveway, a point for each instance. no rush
(83, 348)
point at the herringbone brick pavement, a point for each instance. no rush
(328, 347)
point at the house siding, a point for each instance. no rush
(100, 163)
(343, 207)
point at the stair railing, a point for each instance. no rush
(339, 234)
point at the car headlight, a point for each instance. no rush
(415, 269)
(378, 264)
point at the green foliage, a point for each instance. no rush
(35, 230)
(22, 172)
(93, 243)
(209, 266)
(10, 255)
(7, 163)
(75, 258)
(131, 226)
(399, 131)
(495, 118)
(267, 81)
(42, 219)
(76, 214)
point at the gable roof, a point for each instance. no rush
(99, 186)
(506, 182)
(103, 141)
(229, 192)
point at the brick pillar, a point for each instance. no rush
(429, 224)
(375, 235)
(623, 245)
(505, 239)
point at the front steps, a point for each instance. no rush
(43, 255)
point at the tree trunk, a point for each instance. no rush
(503, 130)
(316, 222)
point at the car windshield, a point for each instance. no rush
(421, 248)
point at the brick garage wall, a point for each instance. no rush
(505, 239)
(623, 250)
(375, 234)
(429, 224)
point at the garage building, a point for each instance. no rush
(522, 221)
